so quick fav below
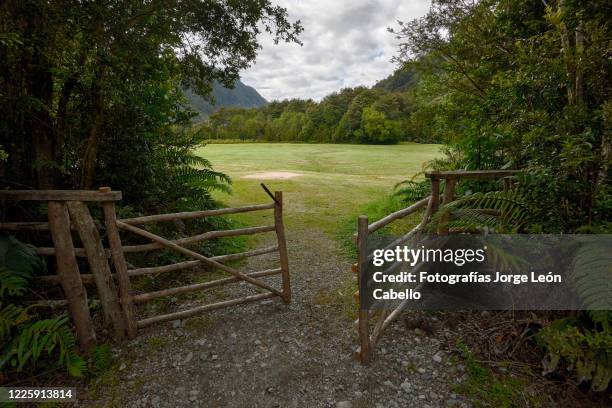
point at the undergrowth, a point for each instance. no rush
(485, 388)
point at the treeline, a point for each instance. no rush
(352, 115)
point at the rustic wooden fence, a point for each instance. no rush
(67, 211)
(371, 324)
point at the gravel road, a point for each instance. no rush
(276, 355)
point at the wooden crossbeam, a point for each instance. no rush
(195, 214)
(127, 249)
(60, 195)
(205, 308)
(195, 255)
(190, 264)
(145, 297)
(88, 277)
(397, 215)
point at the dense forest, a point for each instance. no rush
(377, 115)
(526, 85)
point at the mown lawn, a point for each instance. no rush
(336, 182)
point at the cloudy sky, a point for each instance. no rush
(346, 44)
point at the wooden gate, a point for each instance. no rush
(67, 210)
(382, 318)
(216, 262)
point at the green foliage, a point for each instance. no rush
(411, 191)
(52, 336)
(585, 346)
(520, 84)
(28, 339)
(590, 275)
(495, 211)
(485, 389)
(11, 316)
(100, 99)
(18, 263)
(101, 358)
(353, 115)
(585, 351)
(240, 95)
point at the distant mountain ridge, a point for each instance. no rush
(242, 96)
(400, 80)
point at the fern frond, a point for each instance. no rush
(12, 283)
(591, 274)
(11, 316)
(495, 210)
(411, 191)
(18, 263)
(52, 336)
(101, 357)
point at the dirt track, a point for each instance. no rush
(277, 355)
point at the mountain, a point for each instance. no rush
(400, 80)
(242, 96)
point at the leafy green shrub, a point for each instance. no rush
(583, 350)
(27, 340)
(584, 345)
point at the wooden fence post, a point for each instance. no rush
(448, 196)
(282, 244)
(364, 314)
(68, 271)
(96, 256)
(114, 242)
(435, 194)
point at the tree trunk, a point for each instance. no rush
(42, 135)
(579, 82)
(91, 152)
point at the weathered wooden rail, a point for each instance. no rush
(369, 337)
(68, 212)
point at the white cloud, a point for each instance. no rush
(346, 44)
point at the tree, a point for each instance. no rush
(377, 128)
(520, 84)
(67, 67)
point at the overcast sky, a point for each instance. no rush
(346, 44)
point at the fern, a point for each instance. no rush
(411, 191)
(193, 171)
(591, 274)
(47, 335)
(496, 211)
(11, 316)
(13, 283)
(101, 358)
(23, 338)
(589, 353)
(18, 263)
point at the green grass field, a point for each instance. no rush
(336, 182)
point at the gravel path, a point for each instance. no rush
(276, 355)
